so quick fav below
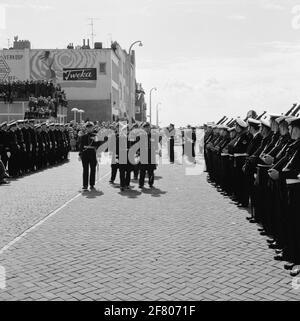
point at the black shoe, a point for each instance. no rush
(242, 205)
(4, 183)
(279, 257)
(270, 241)
(84, 188)
(274, 246)
(122, 189)
(295, 271)
(92, 188)
(263, 233)
(141, 187)
(252, 221)
(111, 182)
(289, 266)
(260, 229)
(249, 218)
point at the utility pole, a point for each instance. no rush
(157, 110)
(154, 88)
(132, 108)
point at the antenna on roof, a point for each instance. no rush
(92, 30)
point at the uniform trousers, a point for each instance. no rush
(114, 170)
(89, 164)
(171, 150)
(149, 169)
(125, 171)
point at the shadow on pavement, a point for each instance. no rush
(154, 192)
(115, 186)
(93, 194)
(130, 193)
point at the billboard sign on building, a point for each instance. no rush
(12, 66)
(70, 68)
(79, 74)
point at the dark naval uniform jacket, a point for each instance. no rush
(241, 144)
(87, 146)
(254, 144)
(289, 165)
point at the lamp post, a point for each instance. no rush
(75, 110)
(150, 105)
(130, 80)
(81, 111)
(157, 110)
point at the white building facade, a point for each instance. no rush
(99, 81)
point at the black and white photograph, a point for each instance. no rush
(150, 153)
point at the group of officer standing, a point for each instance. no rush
(256, 162)
(26, 147)
(133, 149)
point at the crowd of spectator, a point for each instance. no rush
(44, 97)
(75, 130)
(17, 90)
(41, 108)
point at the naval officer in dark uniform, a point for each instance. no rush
(87, 153)
(171, 142)
(148, 162)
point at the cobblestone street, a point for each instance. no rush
(180, 241)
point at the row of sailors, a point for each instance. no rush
(257, 162)
(27, 147)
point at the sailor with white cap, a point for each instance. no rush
(275, 133)
(243, 139)
(254, 130)
(283, 142)
(266, 139)
(288, 167)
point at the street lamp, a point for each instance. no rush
(150, 105)
(157, 122)
(130, 80)
(136, 42)
(75, 110)
(81, 111)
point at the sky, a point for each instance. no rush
(207, 58)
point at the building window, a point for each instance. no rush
(102, 69)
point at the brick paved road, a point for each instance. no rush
(182, 241)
